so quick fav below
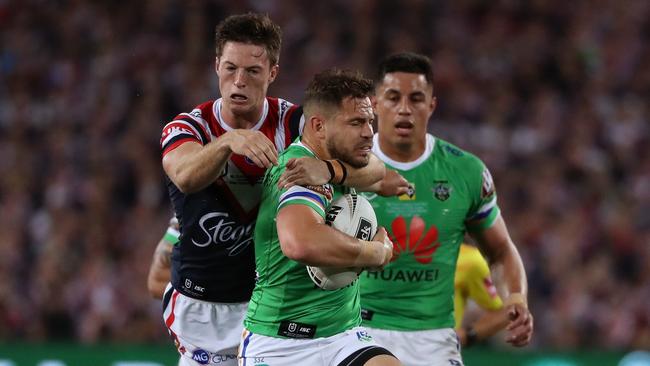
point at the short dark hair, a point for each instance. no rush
(250, 28)
(409, 62)
(328, 88)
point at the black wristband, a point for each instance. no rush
(345, 171)
(330, 167)
(471, 337)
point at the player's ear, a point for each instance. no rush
(434, 103)
(373, 100)
(274, 72)
(317, 123)
(216, 64)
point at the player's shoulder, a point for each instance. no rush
(463, 161)
(200, 113)
(455, 154)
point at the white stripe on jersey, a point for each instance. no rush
(172, 130)
(201, 121)
(486, 207)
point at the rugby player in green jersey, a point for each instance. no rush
(409, 306)
(291, 321)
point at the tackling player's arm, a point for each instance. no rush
(312, 171)
(305, 238)
(490, 322)
(159, 271)
(192, 166)
(496, 244)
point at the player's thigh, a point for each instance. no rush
(383, 360)
(256, 349)
(356, 347)
(421, 348)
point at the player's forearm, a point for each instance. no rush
(193, 167)
(514, 274)
(320, 245)
(368, 176)
(160, 270)
(503, 256)
(490, 323)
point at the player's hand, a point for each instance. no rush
(520, 328)
(381, 237)
(253, 145)
(304, 171)
(462, 336)
(393, 184)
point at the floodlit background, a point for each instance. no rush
(552, 94)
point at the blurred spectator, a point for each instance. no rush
(552, 94)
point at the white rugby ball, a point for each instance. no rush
(353, 215)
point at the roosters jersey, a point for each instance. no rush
(214, 258)
(473, 281)
(451, 192)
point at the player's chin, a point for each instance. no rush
(360, 159)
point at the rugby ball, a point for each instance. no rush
(353, 215)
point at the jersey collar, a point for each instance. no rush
(376, 149)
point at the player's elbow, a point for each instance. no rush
(155, 288)
(295, 249)
(183, 178)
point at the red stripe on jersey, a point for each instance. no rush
(178, 143)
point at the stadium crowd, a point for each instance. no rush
(552, 95)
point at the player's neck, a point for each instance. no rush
(402, 152)
(245, 120)
(315, 146)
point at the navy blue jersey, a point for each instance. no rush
(214, 259)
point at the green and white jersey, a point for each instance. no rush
(285, 302)
(451, 193)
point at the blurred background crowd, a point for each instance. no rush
(551, 94)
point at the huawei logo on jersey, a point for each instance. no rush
(218, 229)
(412, 240)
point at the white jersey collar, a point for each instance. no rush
(428, 150)
(217, 112)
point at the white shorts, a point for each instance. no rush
(260, 350)
(205, 333)
(423, 347)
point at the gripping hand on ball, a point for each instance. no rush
(384, 247)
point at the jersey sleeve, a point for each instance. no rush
(298, 195)
(479, 285)
(484, 209)
(185, 127)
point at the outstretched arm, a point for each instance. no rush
(312, 171)
(192, 166)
